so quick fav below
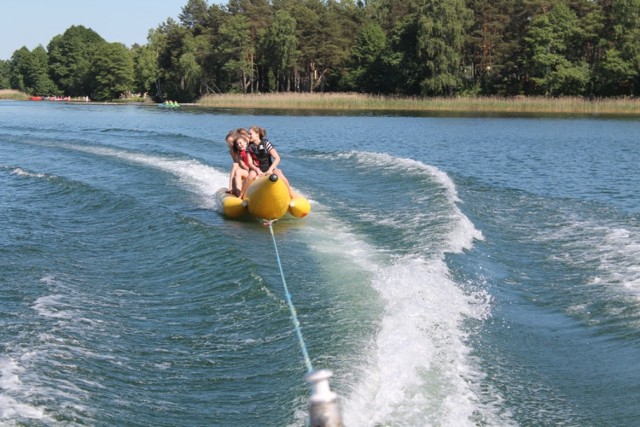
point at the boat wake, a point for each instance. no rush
(418, 368)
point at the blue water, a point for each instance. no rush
(454, 271)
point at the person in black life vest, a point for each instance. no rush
(266, 156)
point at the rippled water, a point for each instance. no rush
(453, 271)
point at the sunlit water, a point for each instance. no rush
(453, 271)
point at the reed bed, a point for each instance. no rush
(362, 102)
(354, 101)
(14, 95)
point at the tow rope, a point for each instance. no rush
(292, 309)
(324, 410)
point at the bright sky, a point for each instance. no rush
(33, 22)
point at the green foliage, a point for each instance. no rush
(112, 71)
(441, 29)
(29, 72)
(145, 69)
(235, 46)
(386, 47)
(194, 16)
(4, 74)
(367, 68)
(38, 75)
(616, 75)
(336, 37)
(552, 41)
(20, 64)
(626, 39)
(279, 48)
(489, 44)
(70, 59)
(403, 63)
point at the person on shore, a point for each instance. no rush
(267, 157)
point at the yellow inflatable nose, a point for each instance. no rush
(267, 198)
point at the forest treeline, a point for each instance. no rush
(386, 47)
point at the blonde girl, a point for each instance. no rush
(266, 155)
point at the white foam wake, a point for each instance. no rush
(197, 177)
(418, 369)
(21, 367)
(11, 385)
(611, 251)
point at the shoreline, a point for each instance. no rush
(344, 102)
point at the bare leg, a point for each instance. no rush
(247, 182)
(240, 175)
(232, 174)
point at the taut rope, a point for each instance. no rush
(292, 309)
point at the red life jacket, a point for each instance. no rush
(244, 156)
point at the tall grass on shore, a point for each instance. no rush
(362, 102)
(354, 101)
(14, 95)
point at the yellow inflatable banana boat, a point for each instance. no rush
(266, 198)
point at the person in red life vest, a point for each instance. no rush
(247, 167)
(236, 175)
(265, 155)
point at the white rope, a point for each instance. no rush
(292, 309)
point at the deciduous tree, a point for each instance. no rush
(4, 74)
(552, 40)
(112, 71)
(441, 30)
(29, 72)
(367, 71)
(235, 44)
(279, 48)
(145, 70)
(70, 59)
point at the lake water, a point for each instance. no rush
(454, 271)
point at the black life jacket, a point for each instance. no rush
(260, 153)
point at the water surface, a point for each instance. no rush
(453, 271)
